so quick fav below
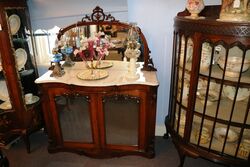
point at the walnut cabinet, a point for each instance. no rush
(100, 118)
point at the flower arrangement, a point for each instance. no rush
(88, 49)
(94, 48)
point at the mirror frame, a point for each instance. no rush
(98, 17)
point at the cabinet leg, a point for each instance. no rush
(182, 158)
(4, 162)
(27, 142)
(166, 135)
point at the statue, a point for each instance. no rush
(235, 10)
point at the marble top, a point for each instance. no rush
(116, 76)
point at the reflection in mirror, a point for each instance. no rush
(107, 35)
(115, 35)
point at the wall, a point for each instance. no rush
(156, 21)
(154, 17)
(45, 14)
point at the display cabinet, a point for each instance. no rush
(210, 89)
(100, 118)
(17, 72)
(96, 109)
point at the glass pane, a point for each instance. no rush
(74, 118)
(180, 121)
(244, 147)
(201, 132)
(225, 139)
(23, 49)
(186, 51)
(121, 120)
(5, 103)
(206, 56)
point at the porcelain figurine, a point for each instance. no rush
(235, 10)
(195, 7)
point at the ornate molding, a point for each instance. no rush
(121, 98)
(98, 16)
(214, 27)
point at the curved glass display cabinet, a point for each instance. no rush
(210, 90)
(17, 71)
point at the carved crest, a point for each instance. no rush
(98, 16)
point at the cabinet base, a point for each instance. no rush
(187, 149)
(104, 153)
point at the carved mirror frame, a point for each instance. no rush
(98, 17)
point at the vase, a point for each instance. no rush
(68, 62)
(195, 7)
(57, 70)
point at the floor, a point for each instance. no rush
(166, 156)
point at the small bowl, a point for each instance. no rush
(233, 66)
(242, 94)
(220, 134)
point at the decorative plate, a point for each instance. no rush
(220, 134)
(92, 74)
(100, 65)
(4, 95)
(5, 105)
(104, 64)
(21, 58)
(15, 23)
(34, 100)
(242, 94)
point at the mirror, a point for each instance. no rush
(109, 31)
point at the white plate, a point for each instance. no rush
(92, 74)
(103, 64)
(242, 94)
(5, 105)
(15, 23)
(4, 94)
(34, 100)
(21, 58)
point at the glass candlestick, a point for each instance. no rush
(67, 51)
(132, 52)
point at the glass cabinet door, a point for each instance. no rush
(22, 47)
(4, 94)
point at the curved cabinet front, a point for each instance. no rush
(209, 107)
(100, 121)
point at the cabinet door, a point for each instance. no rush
(221, 120)
(22, 47)
(215, 97)
(123, 117)
(72, 119)
(17, 67)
